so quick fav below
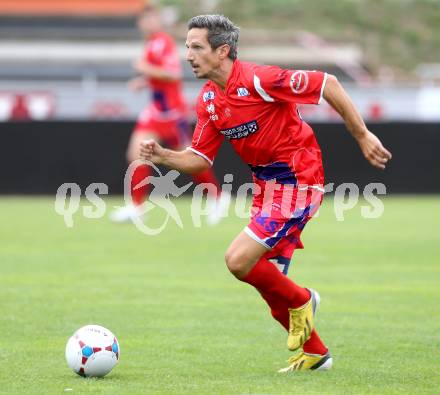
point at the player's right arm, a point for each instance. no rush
(185, 161)
(157, 72)
(199, 156)
(137, 83)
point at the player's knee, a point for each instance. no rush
(236, 263)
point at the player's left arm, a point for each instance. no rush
(156, 72)
(370, 145)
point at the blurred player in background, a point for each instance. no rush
(165, 119)
(254, 107)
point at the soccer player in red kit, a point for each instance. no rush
(165, 119)
(254, 108)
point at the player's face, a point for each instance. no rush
(203, 59)
(149, 22)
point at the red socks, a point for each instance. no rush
(281, 293)
(141, 172)
(207, 177)
(315, 345)
(138, 195)
(274, 285)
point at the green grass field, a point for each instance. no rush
(186, 326)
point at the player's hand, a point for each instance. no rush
(141, 66)
(136, 84)
(152, 151)
(373, 150)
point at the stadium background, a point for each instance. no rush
(66, 115)
(69, 62)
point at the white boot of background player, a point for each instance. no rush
(126, 213)
(219, 209)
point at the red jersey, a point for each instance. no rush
(167, 97)
(257, 113)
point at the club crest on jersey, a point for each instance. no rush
(210, 95)
(210, 108)
(299, 81)
(240, 131)
(241, 92)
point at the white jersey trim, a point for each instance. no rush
(324, 81)
(261, 91)
(201, 131)
(200, 154)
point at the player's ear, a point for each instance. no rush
(223, 51)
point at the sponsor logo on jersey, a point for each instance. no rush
(299, 81)
(240, 131)
(210, 95)
(241, 92)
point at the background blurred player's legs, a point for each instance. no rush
(183, 133)
(207, 177)
(141, 172)
(219, 202)
(173, 134)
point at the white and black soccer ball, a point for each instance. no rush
(92, 351)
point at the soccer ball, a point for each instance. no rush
(92, 351)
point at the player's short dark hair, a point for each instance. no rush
(220, 31)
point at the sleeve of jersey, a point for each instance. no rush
(206, 139)
(300, 86)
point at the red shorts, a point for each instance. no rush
(278, 216)
(172, 129)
